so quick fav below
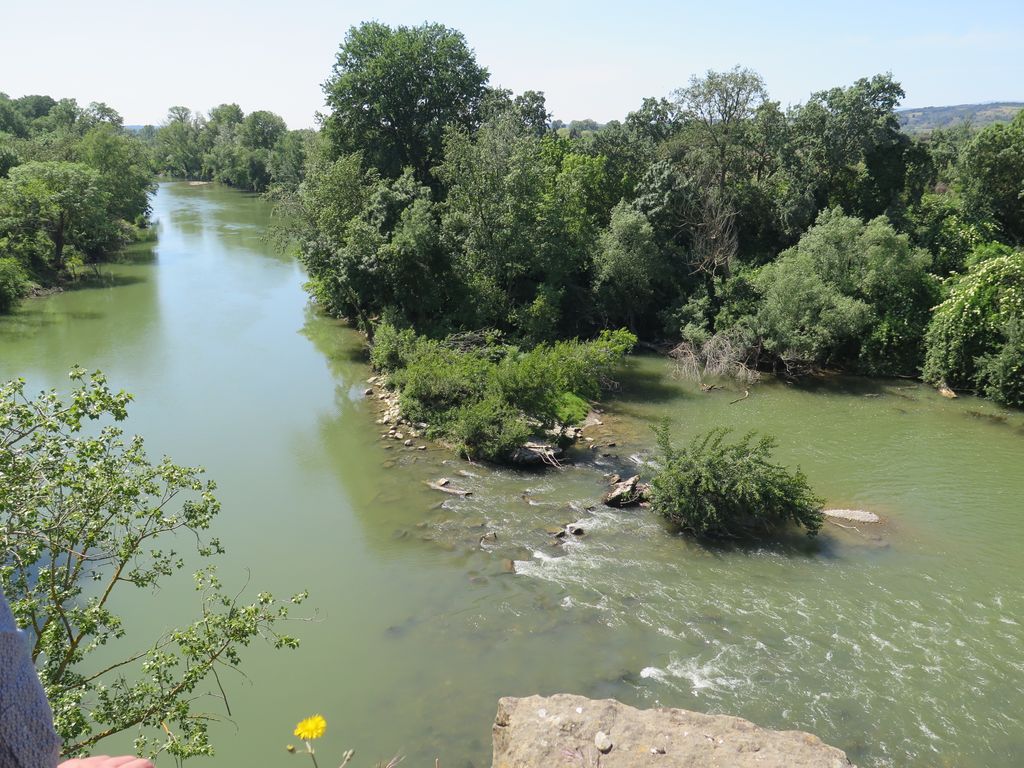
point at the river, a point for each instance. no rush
(899, 643)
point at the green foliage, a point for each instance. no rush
(12, 284)
(849, 293)
(719, 489)
(1001, 374)
(124, 171)
(487, 398)
(84, 518)
(974, 333)
(625, 265)
(66, 203)
(992, 168)
(803, 319)
(394, 91)
(250, 152)
(943, 226)
(488, 429)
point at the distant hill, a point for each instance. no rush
(927, 119)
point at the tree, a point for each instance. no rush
(716, 111)
(177, 144)
(261, 130)
(992, 172)
(83, 516)
(625, 266)
(63, 201)
(838, 133)
(124, 170)
(521, 219)
(394, 91)
(848, 293)
(974, 334)
(12, 283)
(731, 490)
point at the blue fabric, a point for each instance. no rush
(27, 738)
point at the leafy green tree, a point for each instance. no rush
(84, 516)
(975, 332)
(177, 147)
(848, 293)
(64, 201)
(124, 171)
(625, 266)
(943, 225)
(716, 111)
(12, 282)
(716, 489)
(841, 138)
(286, 161)
(804, 321)
(394, 91)
(992, 174)
(521, 219)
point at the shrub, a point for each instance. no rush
(970, 328)
(439, 380)
(12, 284)
(488, 398)
(488, 429)
(1001, 374)
(392, 348)
(718, 489)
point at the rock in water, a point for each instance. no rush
(541, 732)
(627, 493)
(857, 515)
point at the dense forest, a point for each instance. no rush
(74, 188)
(747, 236)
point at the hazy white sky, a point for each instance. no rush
(592, 59)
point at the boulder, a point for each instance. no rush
(627, 493)
(540, 732)
(856, 515)
(535, 454)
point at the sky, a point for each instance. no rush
(592, 59)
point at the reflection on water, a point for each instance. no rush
(899, 643)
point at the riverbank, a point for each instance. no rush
(899, 652)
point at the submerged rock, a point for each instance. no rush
(857, 515)
(540, 732)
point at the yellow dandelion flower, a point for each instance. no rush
(311, 728)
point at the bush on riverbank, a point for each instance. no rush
(12, 284)
(974, 338)
(718, 489)
(488, 398)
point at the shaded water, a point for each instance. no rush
(899, 643)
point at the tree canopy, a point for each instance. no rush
(394, 91)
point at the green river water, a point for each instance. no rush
(900, 643)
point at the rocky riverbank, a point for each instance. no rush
(544, 731)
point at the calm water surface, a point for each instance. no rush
(899, 643)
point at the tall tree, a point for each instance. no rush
(393, 92)
(63, 201)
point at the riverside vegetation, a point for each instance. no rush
(489, 254)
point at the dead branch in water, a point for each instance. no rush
(746, 394)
